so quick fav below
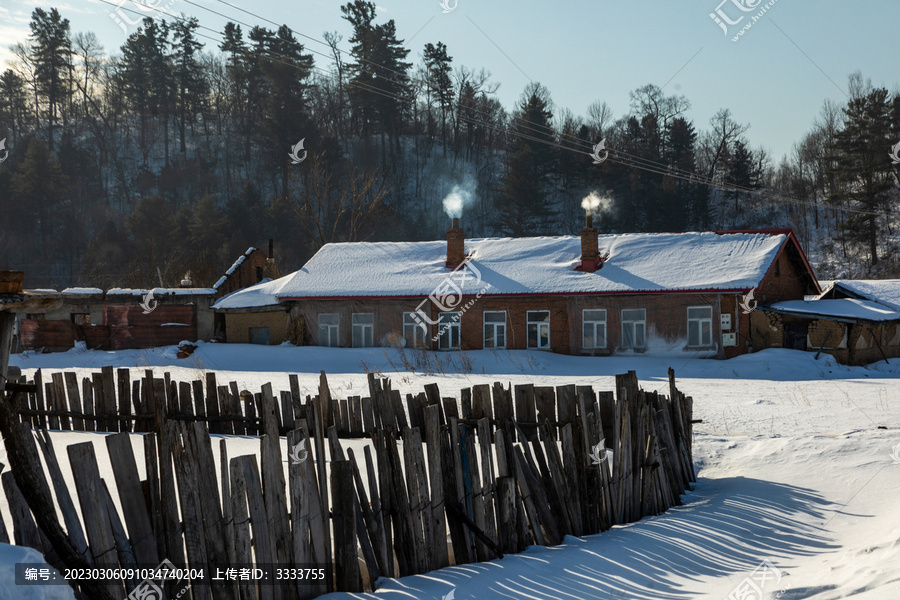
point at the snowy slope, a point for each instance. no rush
(793, 468)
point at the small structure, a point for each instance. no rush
(856, 321)
(672, 293)
(855, 332)
(254, 315)
(123, 318)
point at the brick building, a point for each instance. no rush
(856, 321)
(673, 293)
(116, 319)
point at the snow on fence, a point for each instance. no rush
(440, 481)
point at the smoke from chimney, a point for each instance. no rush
(596, 205)
(461, 196)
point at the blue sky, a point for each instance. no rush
(775, 77)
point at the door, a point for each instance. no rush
(795, 335)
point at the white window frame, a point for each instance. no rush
(634, 324)
(540, 325)
(365, 330)
(494, 326)
(593, 323)
(415, 330)
(332, 331)
(698, 321)
(449, 330)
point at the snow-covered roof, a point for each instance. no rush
(841, 309)
(162, 292)
(234, 267)
(82, 291)
(260, 295)
(638, 262)
(883, 291)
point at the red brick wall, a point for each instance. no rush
(53, 335)
(666, 318)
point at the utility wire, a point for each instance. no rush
(580, 146)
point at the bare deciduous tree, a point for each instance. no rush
(335, 211)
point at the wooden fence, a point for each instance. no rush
(472, 480)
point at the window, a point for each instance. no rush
(539, 329)
(448, 330)
(495, 329)
(260, 335)
(415, 329)
(363, 330)
(699, 326)
(328, 329)
(83, 319)
(634, 329)
(593, 328)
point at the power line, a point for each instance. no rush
(579, 146)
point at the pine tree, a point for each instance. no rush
(40, 185)
(15, 109)
(742, 173)
(51, 52)
(523, 208)
(190, 80)
(381, 89)
(863, 165)
(286, 71)
(437, 61)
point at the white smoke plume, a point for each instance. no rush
(596, 204)
(461, 196)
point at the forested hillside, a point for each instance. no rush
(167, 157)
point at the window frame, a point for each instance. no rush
(329, 326)
(419, 329)
(453, 325)
(495, 325)
(633, 322)
(584, 323)
(691, 320)
(538, 325)
(367, 329)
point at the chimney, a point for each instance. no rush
(456, 245)
(590, 253)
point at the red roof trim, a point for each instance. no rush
(527, 294)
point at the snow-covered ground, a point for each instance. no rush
(794, 460)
